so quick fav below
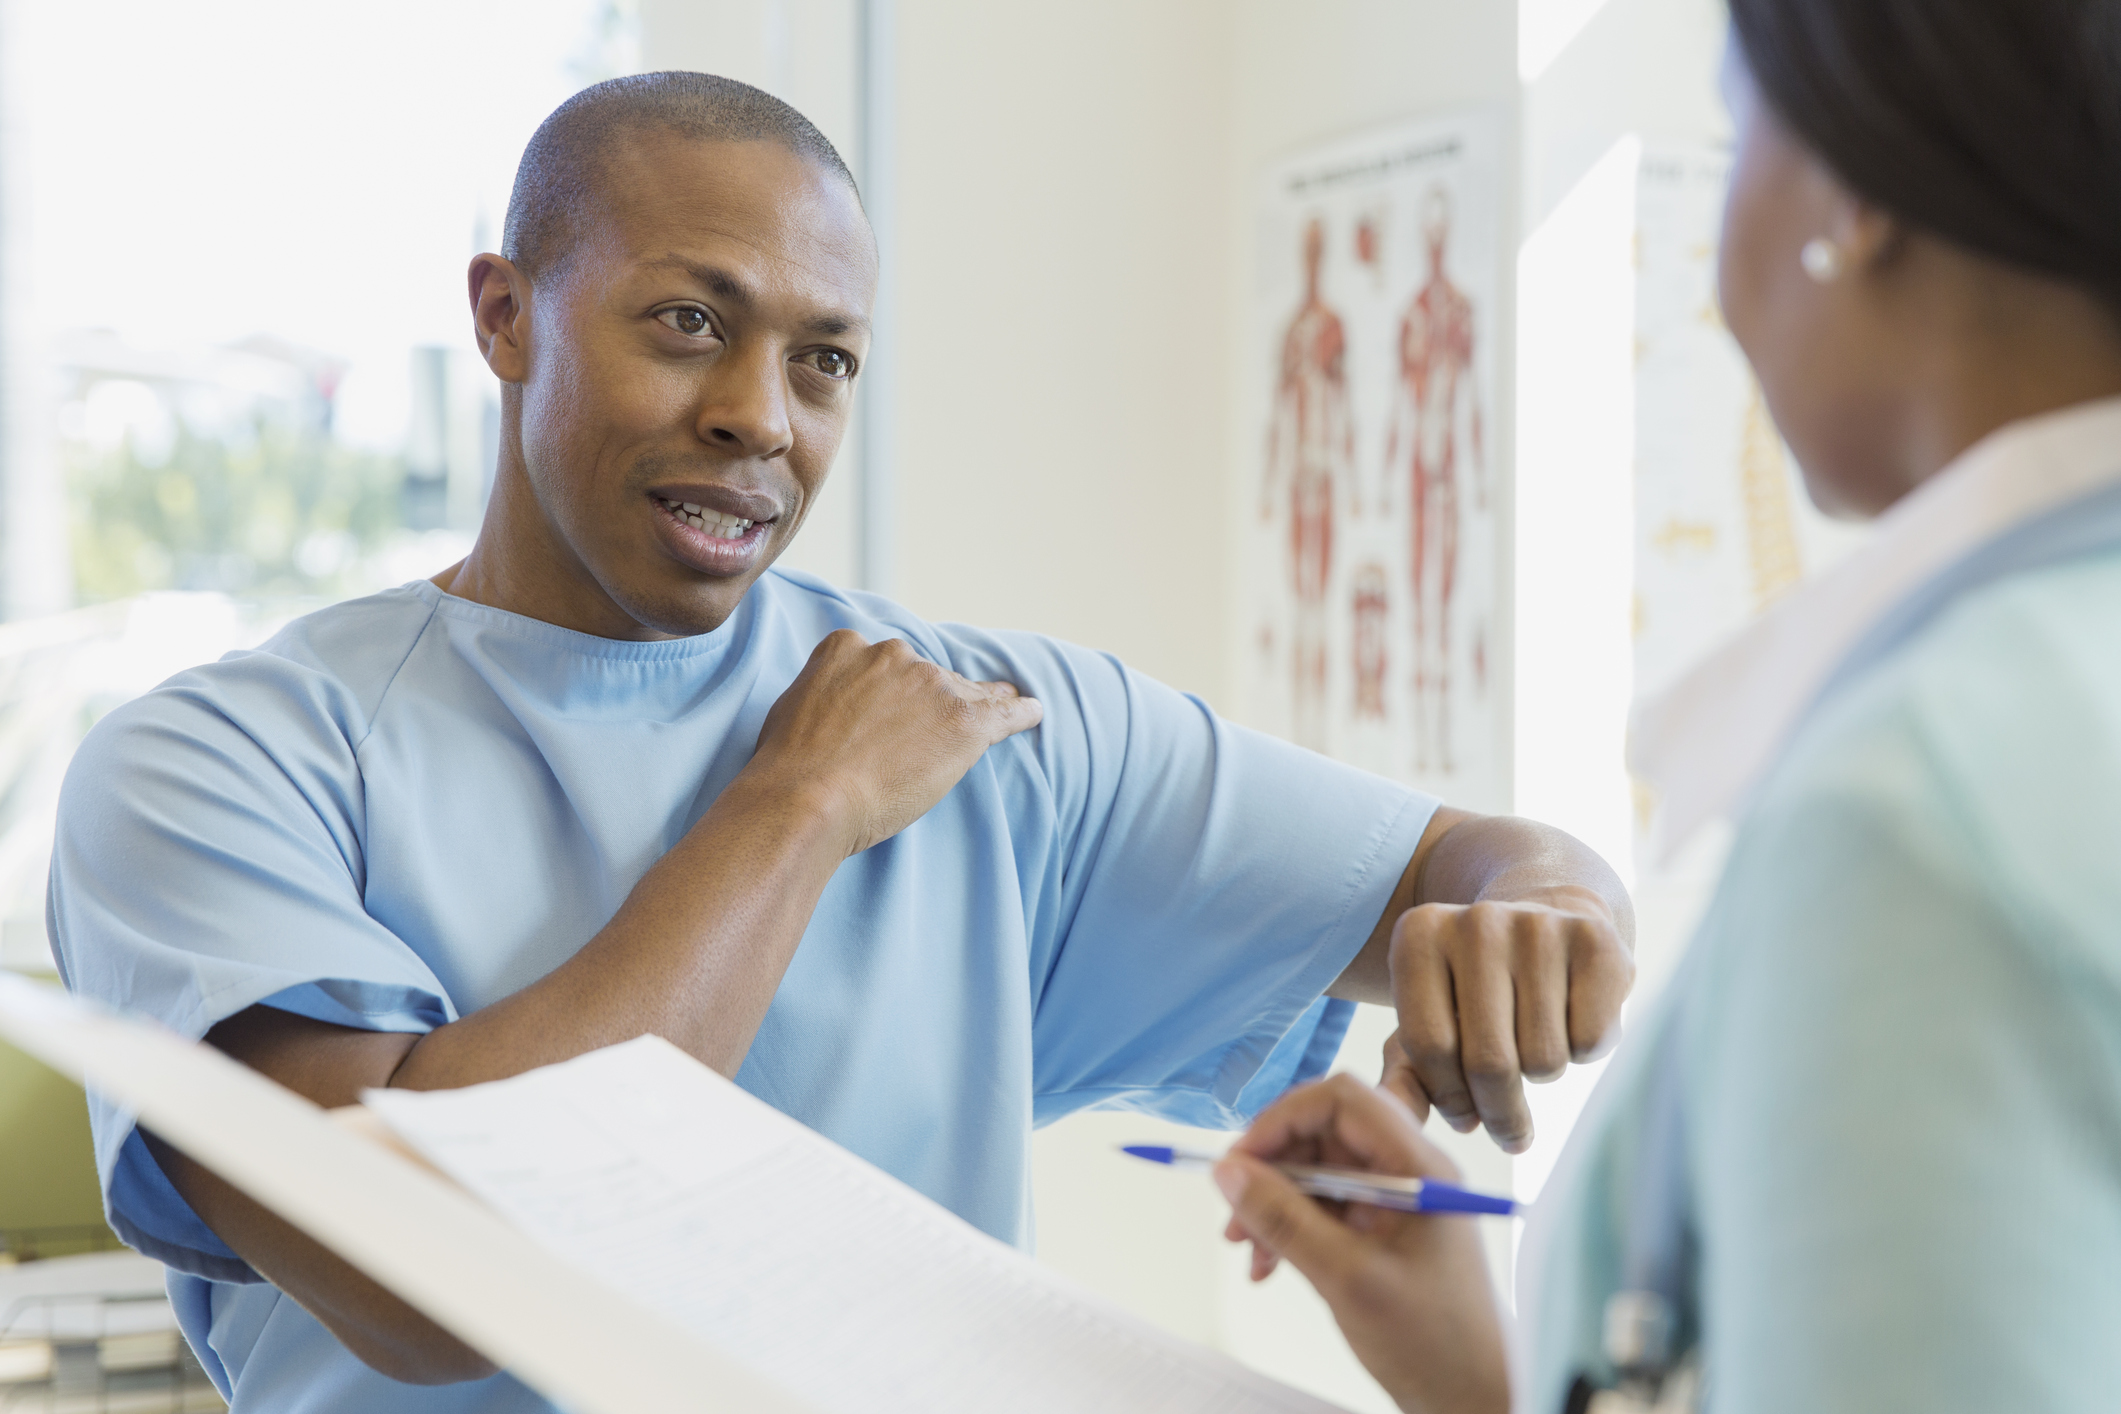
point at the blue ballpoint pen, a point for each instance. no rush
(1405, 1195)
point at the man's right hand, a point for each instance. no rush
(883, 732)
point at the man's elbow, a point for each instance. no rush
(378, 1327)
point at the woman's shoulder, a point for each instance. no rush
(1993, 741)
(2040, 640)
(2011, 696)
(1911, 984)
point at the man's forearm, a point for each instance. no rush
(694, 955)
(381, 1329)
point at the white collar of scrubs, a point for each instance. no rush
(1702, 744)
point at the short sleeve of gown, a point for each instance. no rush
(208, 858)
(1199, 887)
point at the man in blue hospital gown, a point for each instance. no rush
(920, 886)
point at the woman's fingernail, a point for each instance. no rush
(1231, 1178)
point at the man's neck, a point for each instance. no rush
(519, 565)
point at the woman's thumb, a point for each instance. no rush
(1287, 1223)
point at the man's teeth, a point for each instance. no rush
(721, 527)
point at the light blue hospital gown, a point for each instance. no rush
(409, 806)
(1901, 1046)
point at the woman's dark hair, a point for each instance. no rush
(1995, 124)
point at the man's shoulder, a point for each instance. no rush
(1090, 689)
(360, 643)
(810, 608)
(805, 600)
(318, 680)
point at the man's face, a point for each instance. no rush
(690, 371)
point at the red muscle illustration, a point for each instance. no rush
(1310, 442)
(1436, 389)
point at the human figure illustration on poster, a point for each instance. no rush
(1435, 418)
(1370, 237)
(1369, 641)
(1311, 448)
(1370, 563)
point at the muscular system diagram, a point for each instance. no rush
(1435, 422)
(1310, 450)
(1369, 642)
(1369, 554)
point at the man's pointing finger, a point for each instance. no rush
(1009, 710)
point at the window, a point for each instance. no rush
(240, 374)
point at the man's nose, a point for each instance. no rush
(745, 408)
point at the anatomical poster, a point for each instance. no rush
(1370, 554)
(1722, 523)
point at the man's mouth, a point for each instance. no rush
(705, 518)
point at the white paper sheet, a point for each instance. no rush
(558, 1329)
(754, 1234)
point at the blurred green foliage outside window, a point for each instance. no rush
(285, 512)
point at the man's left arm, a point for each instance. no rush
(1507, 948)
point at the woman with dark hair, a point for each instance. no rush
(1865, 1154)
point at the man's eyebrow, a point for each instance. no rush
(834, 325)
(730, 288)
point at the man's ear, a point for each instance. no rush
(500, 316)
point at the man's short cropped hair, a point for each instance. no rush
(557, 178)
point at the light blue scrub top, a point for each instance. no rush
(409, 806)
(1901, 1046)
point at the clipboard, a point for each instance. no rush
(613, 1229)
(560, 1331)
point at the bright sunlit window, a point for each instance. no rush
(240, 241)
(241, 375)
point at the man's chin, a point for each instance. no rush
(669, 599)
(683, 611)
(675, 587)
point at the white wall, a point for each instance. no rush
(1062, 260)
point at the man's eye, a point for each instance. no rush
(686, 320)
(832, 363)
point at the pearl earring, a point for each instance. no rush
(1821, 259)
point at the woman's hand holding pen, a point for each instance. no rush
(1410, 1291)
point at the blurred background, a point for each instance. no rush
(237, 382)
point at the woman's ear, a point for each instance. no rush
(1869, 237)
(500, 316)
(1853, 236)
